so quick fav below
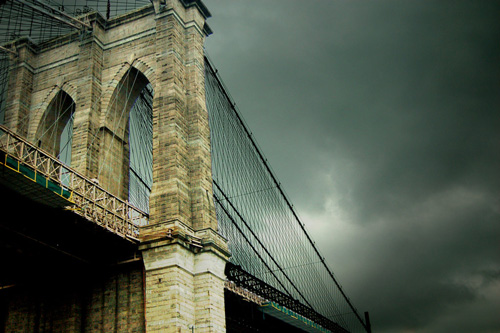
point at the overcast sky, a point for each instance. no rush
(382, 121)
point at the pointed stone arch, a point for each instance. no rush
(54, 115)
(113, 132)
(109, 91)
(146, 70)
(40, 109)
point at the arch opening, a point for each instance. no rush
(140, 130)
(54, 132)
(125, 166)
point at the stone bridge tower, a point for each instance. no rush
(96, 75)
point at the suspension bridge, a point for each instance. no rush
(115, 118)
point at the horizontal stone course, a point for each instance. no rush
(182, 280)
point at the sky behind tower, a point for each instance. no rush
(381, 119)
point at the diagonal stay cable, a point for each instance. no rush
(262, 245)
(248, 241)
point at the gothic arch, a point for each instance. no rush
(145, 69)
(39, 111)
(51, 120)
(114, 159)
(109, 92)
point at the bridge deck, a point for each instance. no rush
(30, 170)
(36, 238)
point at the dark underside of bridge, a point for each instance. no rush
(38, 238)
(245, 316)
(52, 259)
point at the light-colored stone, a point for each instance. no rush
(161, 45)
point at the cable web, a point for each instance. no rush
(40, 21)
(141, 149)
(107, 9)
(266, 238)
(19, 20)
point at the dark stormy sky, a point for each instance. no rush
(382, 121)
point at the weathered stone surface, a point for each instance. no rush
(107, 301)
(102, 71)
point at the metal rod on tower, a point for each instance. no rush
(4, 49)
(55, 14)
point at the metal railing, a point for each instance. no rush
(84, 196)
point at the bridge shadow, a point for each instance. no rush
(58, 269)
(37, 236)
(244, 316)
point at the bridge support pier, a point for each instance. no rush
(184, 281)
(184, 256)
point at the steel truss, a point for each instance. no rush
(246, 280)
(85, 197)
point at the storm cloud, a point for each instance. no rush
(381, 119)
